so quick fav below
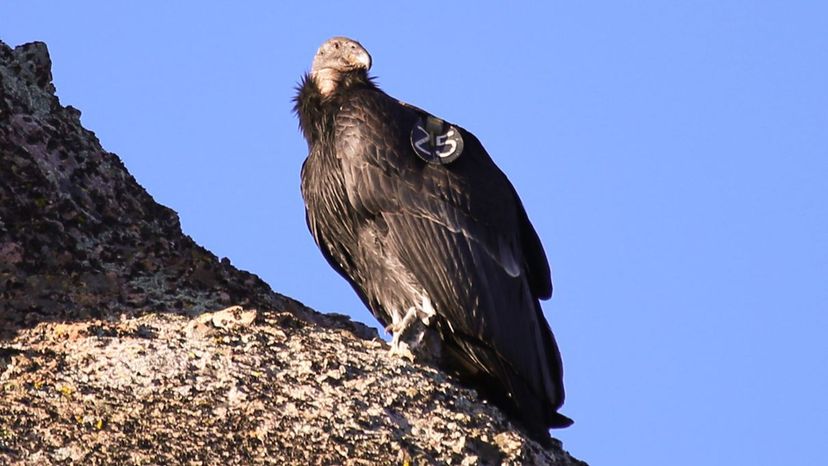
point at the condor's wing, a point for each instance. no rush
(461, 230)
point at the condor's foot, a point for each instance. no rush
(397, 329)
(401, 350)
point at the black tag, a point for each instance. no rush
(436, 141)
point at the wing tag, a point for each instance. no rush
(436, 141)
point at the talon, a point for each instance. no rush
(397, 328)
(401, 350)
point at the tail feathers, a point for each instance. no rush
(559, 421)
(535, 414)
(533, 410)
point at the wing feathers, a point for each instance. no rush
(461, 234)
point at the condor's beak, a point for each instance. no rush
(361, 58)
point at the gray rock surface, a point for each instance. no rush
(124, 342)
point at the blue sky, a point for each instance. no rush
(672, 155)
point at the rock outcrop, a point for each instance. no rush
(124, 342)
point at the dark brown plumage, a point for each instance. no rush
(444, 255)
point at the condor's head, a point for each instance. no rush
(335, 60)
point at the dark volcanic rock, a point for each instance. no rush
(109, 356)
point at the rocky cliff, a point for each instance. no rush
(124, 342)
